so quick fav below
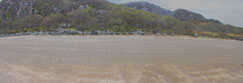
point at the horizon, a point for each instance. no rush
(217, 9)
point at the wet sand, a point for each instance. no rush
(120, 59)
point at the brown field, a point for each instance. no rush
(120, 59)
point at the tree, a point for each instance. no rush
(82, 19)
(53, 21)
(27, 23)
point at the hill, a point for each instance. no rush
(91, 15)
(149, 7)
(180, 14)
(185, 15)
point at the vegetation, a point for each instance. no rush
(102, 15)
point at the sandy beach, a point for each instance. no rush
(120, 59)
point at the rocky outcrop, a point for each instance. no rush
(14, 9)
(186, 15)
(180, 14)
(149, 7)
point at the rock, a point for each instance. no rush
(2, 36)
(124, 33)
(41, 33)
(19, 34)
(186, 15)
(164, 33)
(27, 33)
(75, 32)
(139, 33)
(107, 32)
(34, 33)
(99, 32)
(196, 35)
(241, 39)
(53, 33)
(83, 6)
(158, 34)
(64, 25)
(145, 6)
(117, 33)
(80, 32)
(172, 34)
(96, 32)
(101, 12)
(87, 33)
(130, 33)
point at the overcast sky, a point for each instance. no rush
(227, 11)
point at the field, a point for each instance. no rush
(120, 59)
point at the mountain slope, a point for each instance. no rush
(185, 15)
(22, 8)
(180, 14)
(149, 7)
(92, 15)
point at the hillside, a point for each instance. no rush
(180, 14)
(91, 15)
(149, 7)
(185, 15)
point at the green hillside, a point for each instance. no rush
(89, 15)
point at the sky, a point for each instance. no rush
(226, 11)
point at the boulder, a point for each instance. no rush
(241, 39)
(138, 33)
(27, 33)
(164, 33)
(87, 33)
(107, 32)
(158, 34)
(19, 34)
(172, 34)
(34, 33)
(2, 36)
(196, 35)
(101, 12)
(75, 32)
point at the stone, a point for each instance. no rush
(87, 33)
(241, 39)
(101, 12)
(139, 33)
(172, 34)
(107, 32)
(83, 6)
(164, 33)
(158, 34)
(19, 34)
(196, 35)
(27, 33)
(75, 32)
(34, 33)
(2, 36)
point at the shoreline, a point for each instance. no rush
(180, 36)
